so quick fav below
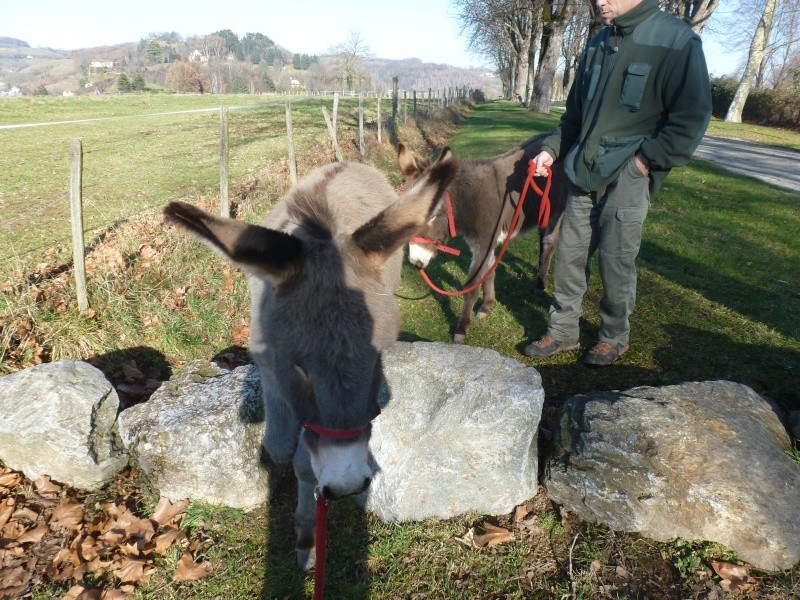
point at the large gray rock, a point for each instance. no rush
(199, 436)
(698, 461)
(59, 419)
(458, 435)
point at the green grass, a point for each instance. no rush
(719, 276)
(769, 136)
(139, 155)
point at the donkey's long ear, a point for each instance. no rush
(408, 165)
(445, 154)
(392, 228)
(258, 250)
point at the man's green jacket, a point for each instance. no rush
(642, 86)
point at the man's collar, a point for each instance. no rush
(629, 20)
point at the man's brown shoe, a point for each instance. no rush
(548, 346)
(603, 354)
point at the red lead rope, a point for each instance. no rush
(544, 219)
(321, 540)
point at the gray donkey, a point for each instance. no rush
(322, 272)
(484, 195)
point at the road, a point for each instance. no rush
(777, 166)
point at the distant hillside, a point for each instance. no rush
(12, 48)
(7, 41)
(269, 67)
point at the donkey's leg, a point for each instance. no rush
(475, 273)
(282, 427)
(304, 514)
(548, 241)
(489, 298)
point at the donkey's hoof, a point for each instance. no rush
(306, 559)
(459, 338)
(482, 314)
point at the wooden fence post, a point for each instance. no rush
(335, 110)
(76, 213)
(361, 123)
(224, 207)
(290, 139)
(380, 95)
(332, 135)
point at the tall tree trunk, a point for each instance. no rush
(521, 75)
(758, 47)
(696, 13)
(555, 21)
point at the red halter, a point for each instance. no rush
(336, 434)
(451, 225)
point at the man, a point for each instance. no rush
(639, 106)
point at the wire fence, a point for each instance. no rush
(135, 164)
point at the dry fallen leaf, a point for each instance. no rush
(520, 512)
(733, 577)
(133, 570)
(166, 539)
(45, 487)
(189, 570)
(34, 535)
(166, 511)
(67, 514)
(494, 535)
(8, 478)
(6, 510)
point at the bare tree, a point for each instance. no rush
(348, 57)
(556, 15)
(758, 46)
(502, 31)
(575, 36)
(694, 13)
(784, 46)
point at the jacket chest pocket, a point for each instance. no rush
(634, 84)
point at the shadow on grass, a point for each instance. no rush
(346, 572)
(779, 311)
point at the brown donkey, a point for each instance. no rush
(322, 271)
(484, 195)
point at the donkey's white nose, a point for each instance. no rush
(419, 255)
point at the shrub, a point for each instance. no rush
(123, 83)
(478, 96)
(184, 78)
(774, 107)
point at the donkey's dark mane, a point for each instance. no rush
(310, 209)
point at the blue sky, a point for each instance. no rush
(425, 29)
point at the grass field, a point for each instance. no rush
(139, 152)
(719, 286)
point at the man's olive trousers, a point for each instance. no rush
(609, 222)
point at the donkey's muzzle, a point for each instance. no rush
(332, 492)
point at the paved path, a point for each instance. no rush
(776, 166)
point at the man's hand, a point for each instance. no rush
(542, 160)
(641, 164)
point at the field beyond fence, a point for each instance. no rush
(141, 152)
